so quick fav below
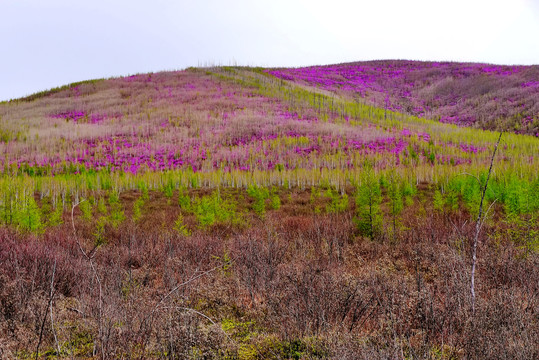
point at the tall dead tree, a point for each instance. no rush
(479, 224)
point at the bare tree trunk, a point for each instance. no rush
(479, 224)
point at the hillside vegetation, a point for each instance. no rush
(486, 96)
(248, 213)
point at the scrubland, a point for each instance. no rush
(252, 213)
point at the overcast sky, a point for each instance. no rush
(50, 43)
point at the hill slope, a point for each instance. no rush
(486, 96)
(226, 213)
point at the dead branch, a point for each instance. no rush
(478, 226)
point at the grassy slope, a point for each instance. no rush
(265, 181)
(486, 96)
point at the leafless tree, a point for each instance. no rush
(479, 224)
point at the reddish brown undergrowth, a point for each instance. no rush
(288, 286)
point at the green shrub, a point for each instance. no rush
(396, 201)
(275, 201)
(408, 190)
(368, 200)
(338, 203)
(260, 195)
(143, 188)
(28, 215)
(102, 207)
(168, 189)
(55, 218)
(99, 234)
(180, 227)
(86, 209)
(184, 200)
(137, 208)
(438, 202)
(116, 216)
(213, 209)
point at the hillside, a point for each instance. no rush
(486, 96)
(249, 213)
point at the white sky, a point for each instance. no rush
(48, 43)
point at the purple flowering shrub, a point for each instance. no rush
(186, 120)
(197, 121)
(492, 97)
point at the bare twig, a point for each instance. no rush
(475, 177)
(486, 214)
(479, 224)
(455, 226)
(204, 316)
(177, 287)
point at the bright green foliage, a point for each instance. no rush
(193, 180)
(99, 234)
(471, 194)
(412, 153)
(394, 193)
(86, 209)
(212, 209)
(338, 203)
(260, 194)
(180, 227)
(28, 215)
(315, 194)
(438, 202)
(52, 216)
(184, 200)
(469, 189)
(46, 206)
(114, 198)
(106, 181)
(102, 207)
(514, 199)
(522, 232)
(247, 352)
(55, 217)
(237, 329)
(168, 189)
(495, 190)
(116, 216)
(396, 202)
(368, 200)
(275, 201)
(7, 209)
(384, 182)
(137, 208)
(452, 200)
(143, 188)
(521, 197)
(408, 191)
(395, 190)
(532, 197)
